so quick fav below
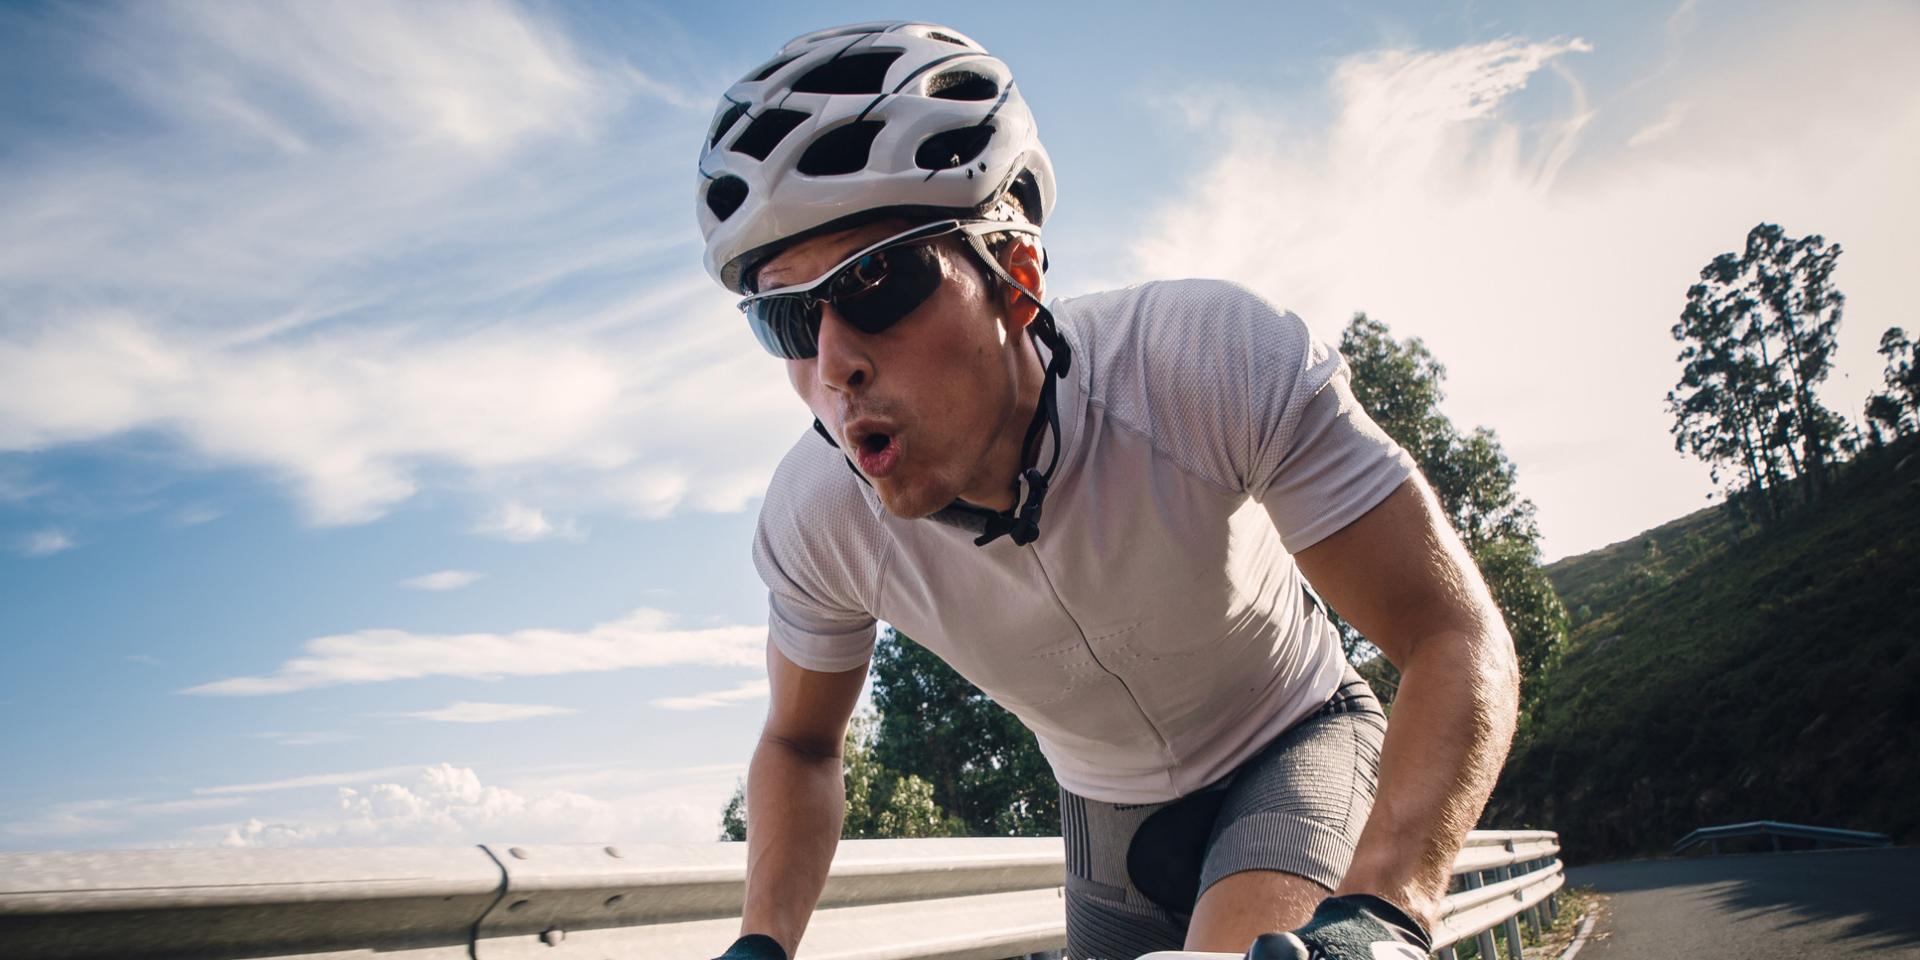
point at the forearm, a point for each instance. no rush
(796, 801)
(1453, 720)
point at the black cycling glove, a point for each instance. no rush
(1358, 926)
(754, 946)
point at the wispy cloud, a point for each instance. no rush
(193, 516)
(644, 638)
(88, 818)
(470, 712)
(752, 690)
(450, 804)
(1540, 256)
(442, 580)
(310, 781)
(304, 738)
(46, 543)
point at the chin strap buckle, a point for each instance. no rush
(1022, 527)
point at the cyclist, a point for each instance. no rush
(876, 194)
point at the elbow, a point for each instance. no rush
(1499, 675)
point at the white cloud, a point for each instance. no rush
(450, 804)
(442, 580)
(45, 543)
(751, 690)
(469, 712)
(644, 638)
(1544, 260)
(353, 251)
(519, 523)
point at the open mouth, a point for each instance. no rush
(878, 453)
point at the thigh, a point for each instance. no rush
(1298, 806)
(1108, 917)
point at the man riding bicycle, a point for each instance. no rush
(876, 194)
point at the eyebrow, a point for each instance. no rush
(760, 279)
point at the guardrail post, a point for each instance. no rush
(1539, 912)
(1485, 937)
(1511, 928)
(1446, 953)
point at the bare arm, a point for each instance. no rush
(1401, 576)
(796, 798)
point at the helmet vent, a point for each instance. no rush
(726, 122)
(953, 148)
(769, 70)
(840, 150)
(962, 85)
(725, 195)
(860, 73)
(948, 38)
(766, 131)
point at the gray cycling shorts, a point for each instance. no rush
(1135, 871)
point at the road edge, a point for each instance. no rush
(1580, 938)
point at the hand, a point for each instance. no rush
(754, 946)
(1358, 926)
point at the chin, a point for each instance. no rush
(910, 503)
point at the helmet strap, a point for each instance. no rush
(1021, 523)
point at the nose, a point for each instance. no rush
(844, 363)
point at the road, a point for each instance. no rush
(1773, 906)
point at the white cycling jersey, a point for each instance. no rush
(1156, 635)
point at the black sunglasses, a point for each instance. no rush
(872, 289)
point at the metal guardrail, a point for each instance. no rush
(961, 899)
(1775, 829)
(884, 900)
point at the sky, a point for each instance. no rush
(378, 465)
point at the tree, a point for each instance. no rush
(1758, 335)
(733, 820)
(982, 765)
(1399, 383)
(879, 802)
(1898, 408)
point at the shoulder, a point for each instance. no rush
(1186, 312)
(817, 532)
(1181, 337)
(1203, 367)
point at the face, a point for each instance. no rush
(928, 408)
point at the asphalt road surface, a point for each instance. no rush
(1764, 906)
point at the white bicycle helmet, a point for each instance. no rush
(853, 123)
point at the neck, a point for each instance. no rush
(995, 487)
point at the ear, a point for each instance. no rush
(1022, 259)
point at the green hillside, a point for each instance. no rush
(1718, 674)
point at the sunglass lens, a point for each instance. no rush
(885, 286)
(788, 327)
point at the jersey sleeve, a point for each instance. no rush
(1317, 461)
(814, 576)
